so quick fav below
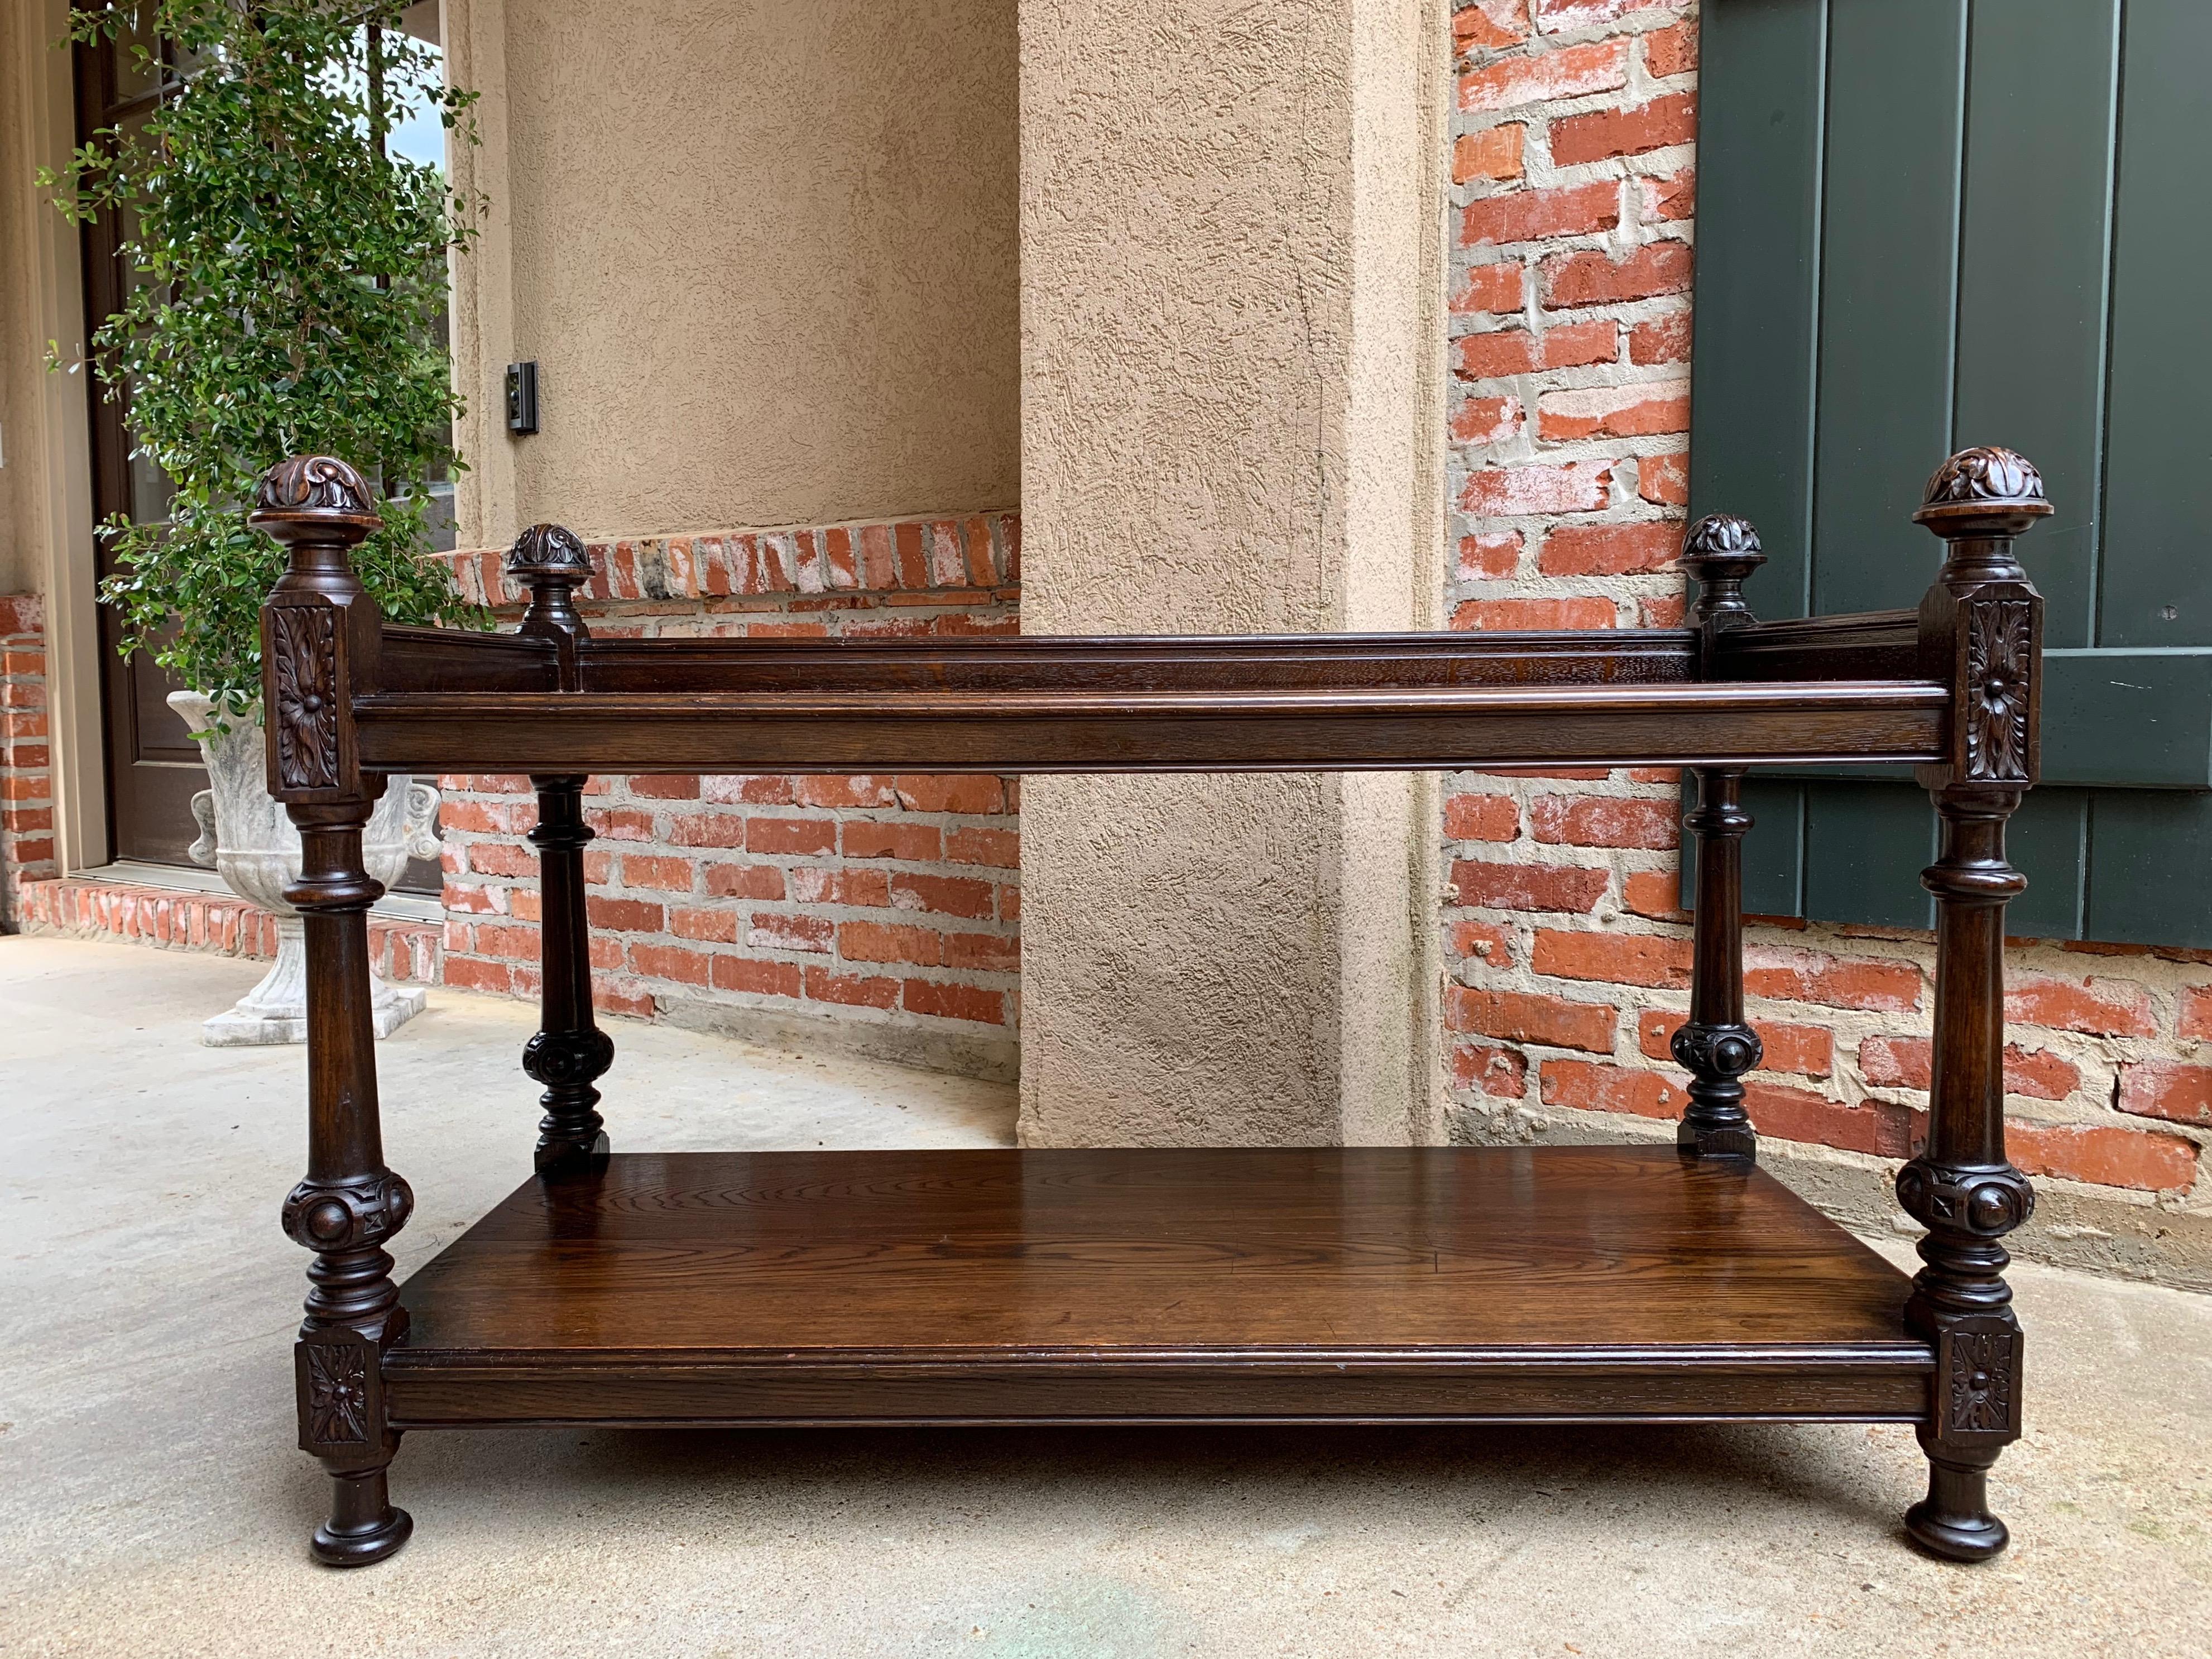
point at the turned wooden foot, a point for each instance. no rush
(1953, 1521)
(363, 1527)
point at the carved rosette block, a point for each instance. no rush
(1982, 624)
(318, 622)
(303, 658)
(335, 1399)
(2000, 642)
(1978, 1374)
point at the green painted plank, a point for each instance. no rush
(2047, 841)
(1759, 236)
(2034, 260)
(1773, 853)
(1889, 255)
(2156, 575)
(1865, 847)
(2138, 719)
(2147, 855)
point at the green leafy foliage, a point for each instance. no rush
(288, 284)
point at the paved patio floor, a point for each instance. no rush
(150, 1502)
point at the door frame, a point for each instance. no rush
(51, 437)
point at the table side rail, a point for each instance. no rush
(1397, 728)
(1871, 645)
(453, 1390)
(1138, 663)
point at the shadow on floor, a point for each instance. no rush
(1859, 1476)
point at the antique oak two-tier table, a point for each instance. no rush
(1670, 1283)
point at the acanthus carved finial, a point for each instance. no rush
(313, 484)
(1988, 473)
(308, 501)
(1986, 491)
(1720, 552)
(550, 560)
(1723, 535)
(549, 549)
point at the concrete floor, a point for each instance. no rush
(150, 1502)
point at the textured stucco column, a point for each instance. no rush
(1232, 422)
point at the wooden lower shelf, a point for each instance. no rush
(1143, 1284)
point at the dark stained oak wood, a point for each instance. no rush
(1453, 1282)
(569, 1053)
(1715, 1045)
(1223, 1285)
(1982, 626)
(1228, 729)
(1873, 644)
(1187, 662)
(318, 622)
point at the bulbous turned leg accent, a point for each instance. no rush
(1715, 1125)
(364, 1528)
(567, 1063)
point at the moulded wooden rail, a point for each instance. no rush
(1158, 1285)
(1216, 730)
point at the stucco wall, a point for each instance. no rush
(1231, 298)
(763, 251)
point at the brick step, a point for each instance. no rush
(402, 949)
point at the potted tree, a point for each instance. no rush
(289, 280)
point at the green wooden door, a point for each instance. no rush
(1923, 224)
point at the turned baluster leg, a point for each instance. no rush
(350, 1205)
(1715, 1046)
(319, 629)
(1963, 1189)
(569, 1053)
(1980, 632)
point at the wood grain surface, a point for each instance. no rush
(1228, 1283)
(1139, 730)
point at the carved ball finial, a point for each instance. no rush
(1984, 491)
(1722, 536)
(549, 549)
(314, 498)
(1720, 550)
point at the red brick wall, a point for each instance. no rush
(1574, 158)
(26, 791)
(892, 903)
(215, 923)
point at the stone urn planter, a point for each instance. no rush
(247, 836)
